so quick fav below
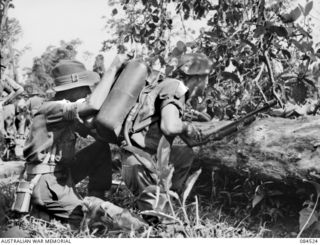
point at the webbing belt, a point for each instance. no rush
(45, 167)
(42, 168)
(143, 124)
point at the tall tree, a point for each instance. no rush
(42, 66)
(4, 7)
(10, 32)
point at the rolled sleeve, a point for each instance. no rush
(173, 92)
(60, 111)
(70, 111)
(172, 100)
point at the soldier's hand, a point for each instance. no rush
(193, 133)
(119, 60)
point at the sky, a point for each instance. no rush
(46, 22)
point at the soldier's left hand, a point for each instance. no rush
(119, 60)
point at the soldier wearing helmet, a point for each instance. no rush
(159, 119)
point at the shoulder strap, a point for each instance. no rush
(137, 108)
(141, 125)
(143, 157)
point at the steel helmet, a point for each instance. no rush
(195, 64)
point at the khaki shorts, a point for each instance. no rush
(54, 196)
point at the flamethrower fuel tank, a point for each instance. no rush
(122, 97)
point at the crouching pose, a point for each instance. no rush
(52, 166)
(157, 116)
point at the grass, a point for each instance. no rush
(212, 224)
(222, 209)
(226, 213)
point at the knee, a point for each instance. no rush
(101, 150)
(100, 145)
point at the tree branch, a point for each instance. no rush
(256, 81)
(270, 72)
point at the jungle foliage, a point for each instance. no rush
(10, 32)
(261, 49)
(40, 73)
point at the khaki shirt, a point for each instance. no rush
(53, 131)
(155, 97)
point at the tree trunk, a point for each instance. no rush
(272, 148)
(4, 13)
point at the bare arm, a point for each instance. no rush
(171, 123)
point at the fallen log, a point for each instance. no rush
(272, 148)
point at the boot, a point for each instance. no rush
(99, 212)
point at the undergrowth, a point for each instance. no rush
(222, 209)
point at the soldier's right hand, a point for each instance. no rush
(192, 134)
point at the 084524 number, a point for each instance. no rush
(309, 240)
